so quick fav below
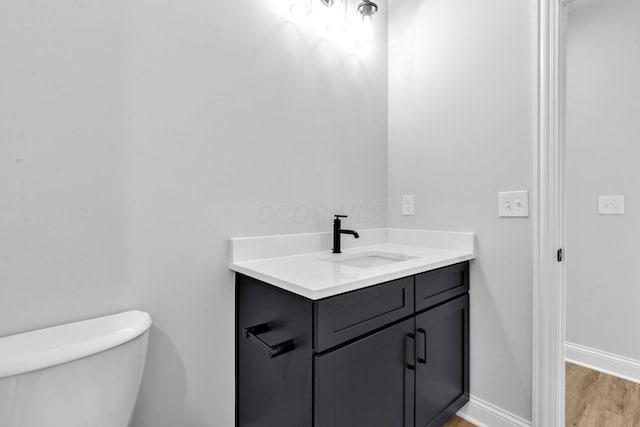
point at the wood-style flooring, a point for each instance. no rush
(457, 422)
(594, 399)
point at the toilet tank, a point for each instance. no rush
(82, 374)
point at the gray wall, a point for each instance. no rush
(137, 136)
(462, 117)
(603, 148)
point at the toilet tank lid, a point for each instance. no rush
(53, 346)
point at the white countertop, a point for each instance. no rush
(314, 276)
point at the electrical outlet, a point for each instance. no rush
(513, 204)
(407, 205)
(611, 205)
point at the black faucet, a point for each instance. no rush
(337, 231)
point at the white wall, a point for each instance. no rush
(603, 148)
(462, 84)
(136, 137)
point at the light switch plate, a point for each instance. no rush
(513, 204)
(611, 205)
(407, 205)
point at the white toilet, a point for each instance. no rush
(83, 374)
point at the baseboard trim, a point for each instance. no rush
(602, 361)
(484, 414)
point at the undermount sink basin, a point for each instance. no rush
(368, 259)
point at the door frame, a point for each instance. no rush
(549, 275)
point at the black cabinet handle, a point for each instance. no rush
(409, 355)
(272, 350)
(423, 359)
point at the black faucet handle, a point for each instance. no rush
(341, 216)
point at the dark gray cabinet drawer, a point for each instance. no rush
(434, 287)
(344, 317)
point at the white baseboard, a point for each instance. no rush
(608, 363)
(484, 414)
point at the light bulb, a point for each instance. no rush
(367, 9)
(299, 8)
(335, 16)
(366, 30)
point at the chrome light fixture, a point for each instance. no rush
(334, 16)
(367, 9)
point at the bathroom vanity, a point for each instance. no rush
(379, 354)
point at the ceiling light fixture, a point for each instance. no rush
(367, 9)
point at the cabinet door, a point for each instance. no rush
(442, 362)
(369, 382)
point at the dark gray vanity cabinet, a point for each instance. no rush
(390, 355)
